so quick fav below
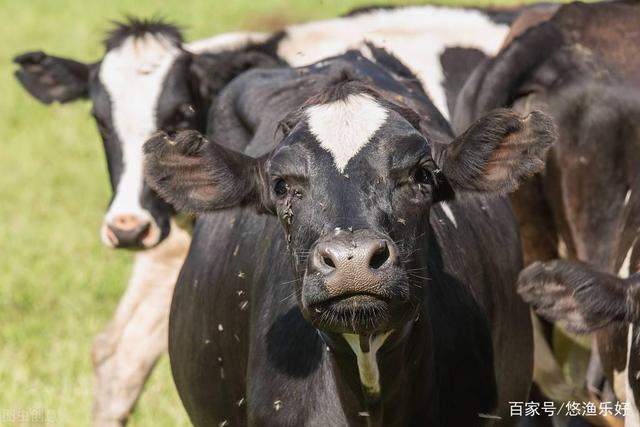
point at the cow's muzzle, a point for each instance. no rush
(354, 282)
(130, 231)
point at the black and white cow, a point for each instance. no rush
(580, 66)
(396, 304)
(587, 300)
(148, 80)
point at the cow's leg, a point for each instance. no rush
(127, 349)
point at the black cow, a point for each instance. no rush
(396, 304)
(580, 66)
(148, 81)
(145, 81)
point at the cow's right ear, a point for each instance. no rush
(497, 152)
(575, 293)
(49, 78)
(197, 176)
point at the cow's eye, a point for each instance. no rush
(280, 187)
(422, 175)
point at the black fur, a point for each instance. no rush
(49, 78)
(457, 65)
(140, 27)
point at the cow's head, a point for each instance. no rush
(352, 182)
(144, 83)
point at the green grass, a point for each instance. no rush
(58, 285)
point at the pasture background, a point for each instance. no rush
(58, 284)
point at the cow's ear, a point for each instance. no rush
(498, 151)
(49, 78)
(210, 72)
(572, 292)
(197, 176)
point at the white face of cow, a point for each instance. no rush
(133, 76)
(145, 83)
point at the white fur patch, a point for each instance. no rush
(627, 197)
(620, 382)
(449, 213)
(626, 264)
(226, 41)
(367, 362)
(344, 127)
(133, 74)
(562, 248)
(416, 35)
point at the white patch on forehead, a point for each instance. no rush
(343, 127)
(416, 35)
(627, 197)
(368, 362)
(449, 213)
(133, 74)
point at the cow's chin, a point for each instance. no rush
(360, 314)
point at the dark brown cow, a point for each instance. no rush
(581, 66)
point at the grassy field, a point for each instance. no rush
(58, 285)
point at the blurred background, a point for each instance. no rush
(58, 285)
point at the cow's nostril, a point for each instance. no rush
(380, 256)
(126, 222)
(328, 262)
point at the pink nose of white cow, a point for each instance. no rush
(128, 231)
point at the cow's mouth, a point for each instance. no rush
(355, 298)
(356, 313)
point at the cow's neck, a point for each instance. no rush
(378, 371)
(365, 348)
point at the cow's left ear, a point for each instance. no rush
(50, 78)
(497, 152)
(197, 176)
